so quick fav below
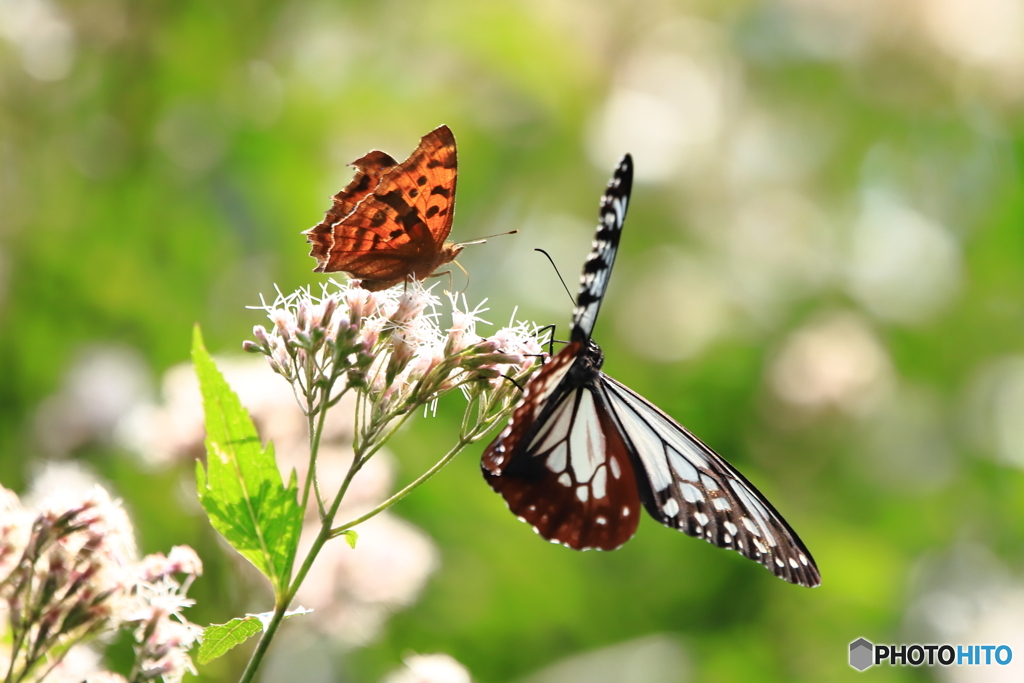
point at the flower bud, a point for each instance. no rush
(402, 352)
(342, 334)
(330, 305)
(184, 560)
(359, 305)
(489, 359)
(283, 322)
(260, 333)
(410, 306)
(302, 314)
(318, 335)
(370, 334)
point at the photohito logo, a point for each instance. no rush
(863, 653)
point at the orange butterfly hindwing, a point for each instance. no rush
(390, 224)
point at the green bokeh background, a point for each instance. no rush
(158, 161)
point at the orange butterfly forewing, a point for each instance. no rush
(391, 222)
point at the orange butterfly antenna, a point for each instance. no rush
(457, 247)
(481, 240)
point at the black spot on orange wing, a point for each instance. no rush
(369, 170)
(409, 228)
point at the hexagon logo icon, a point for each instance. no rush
(861, 654)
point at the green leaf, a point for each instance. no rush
(219, 638)
(241, 488)
(350, 537)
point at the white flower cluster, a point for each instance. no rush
(69, 574)
(390, 347)
(434, 668)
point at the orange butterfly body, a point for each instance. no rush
(391, 223)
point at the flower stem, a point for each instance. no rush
(284, 600)
(448, 457)
(261, 647)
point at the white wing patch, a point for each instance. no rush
(586, 442)
(555, 429)
(572, 445)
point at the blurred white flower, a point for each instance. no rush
(657, 657)
(903, 266)
(435, 668)
(111, 533)
(181, 560)
(669, 102)
(82, 664)
(173, 431)
(353, 591)
(15, 529)
(995, 409)
(686, 297)
(73, 478)
(779, 248)
(835, 361)
(980, 33)
(77, 580)
(42, 34)
(104, 677)
(967, 596)
(774, 149)
(102, 385)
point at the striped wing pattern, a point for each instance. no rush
(562, 465)
(582, 451)
(687, 486)
(598, 266)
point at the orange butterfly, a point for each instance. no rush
(391, 222)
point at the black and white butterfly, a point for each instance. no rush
(582, 451)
